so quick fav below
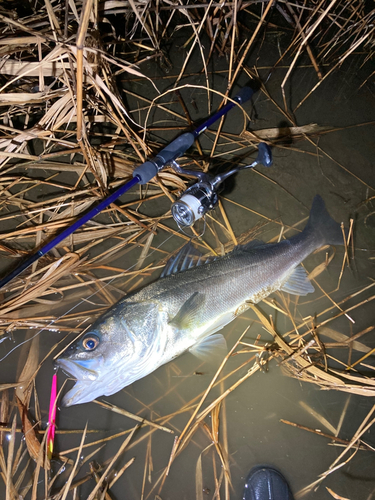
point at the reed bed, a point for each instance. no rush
(79, 109)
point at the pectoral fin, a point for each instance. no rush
(190, 313)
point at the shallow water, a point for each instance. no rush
(250, 427)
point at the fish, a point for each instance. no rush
(185, 308)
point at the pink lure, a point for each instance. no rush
(52, 417)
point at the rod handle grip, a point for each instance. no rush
(174, 150)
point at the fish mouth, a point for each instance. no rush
(82, 392)
(78, 369)
(86, 387)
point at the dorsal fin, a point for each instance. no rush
(250, 245)
(186, 258)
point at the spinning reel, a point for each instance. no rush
(202, 196)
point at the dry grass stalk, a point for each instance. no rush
(144, 421)
(335, 495)
(354, 443)
(179, 442)
(119, 452)
(322, 420)
(58, 84)
(318, 432)
(65, 490)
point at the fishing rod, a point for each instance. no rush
(195, 202)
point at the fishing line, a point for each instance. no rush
(83, 301)
(19, 345)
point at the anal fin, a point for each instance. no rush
(298, 283)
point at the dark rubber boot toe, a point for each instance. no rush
(266, 483)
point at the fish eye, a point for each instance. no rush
(90, 342)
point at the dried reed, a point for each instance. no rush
(69, 131)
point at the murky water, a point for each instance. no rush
(338, 166)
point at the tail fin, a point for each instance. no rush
(322, 224)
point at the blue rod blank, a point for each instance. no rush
(69, 230)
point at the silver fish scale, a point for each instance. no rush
(225, 284)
